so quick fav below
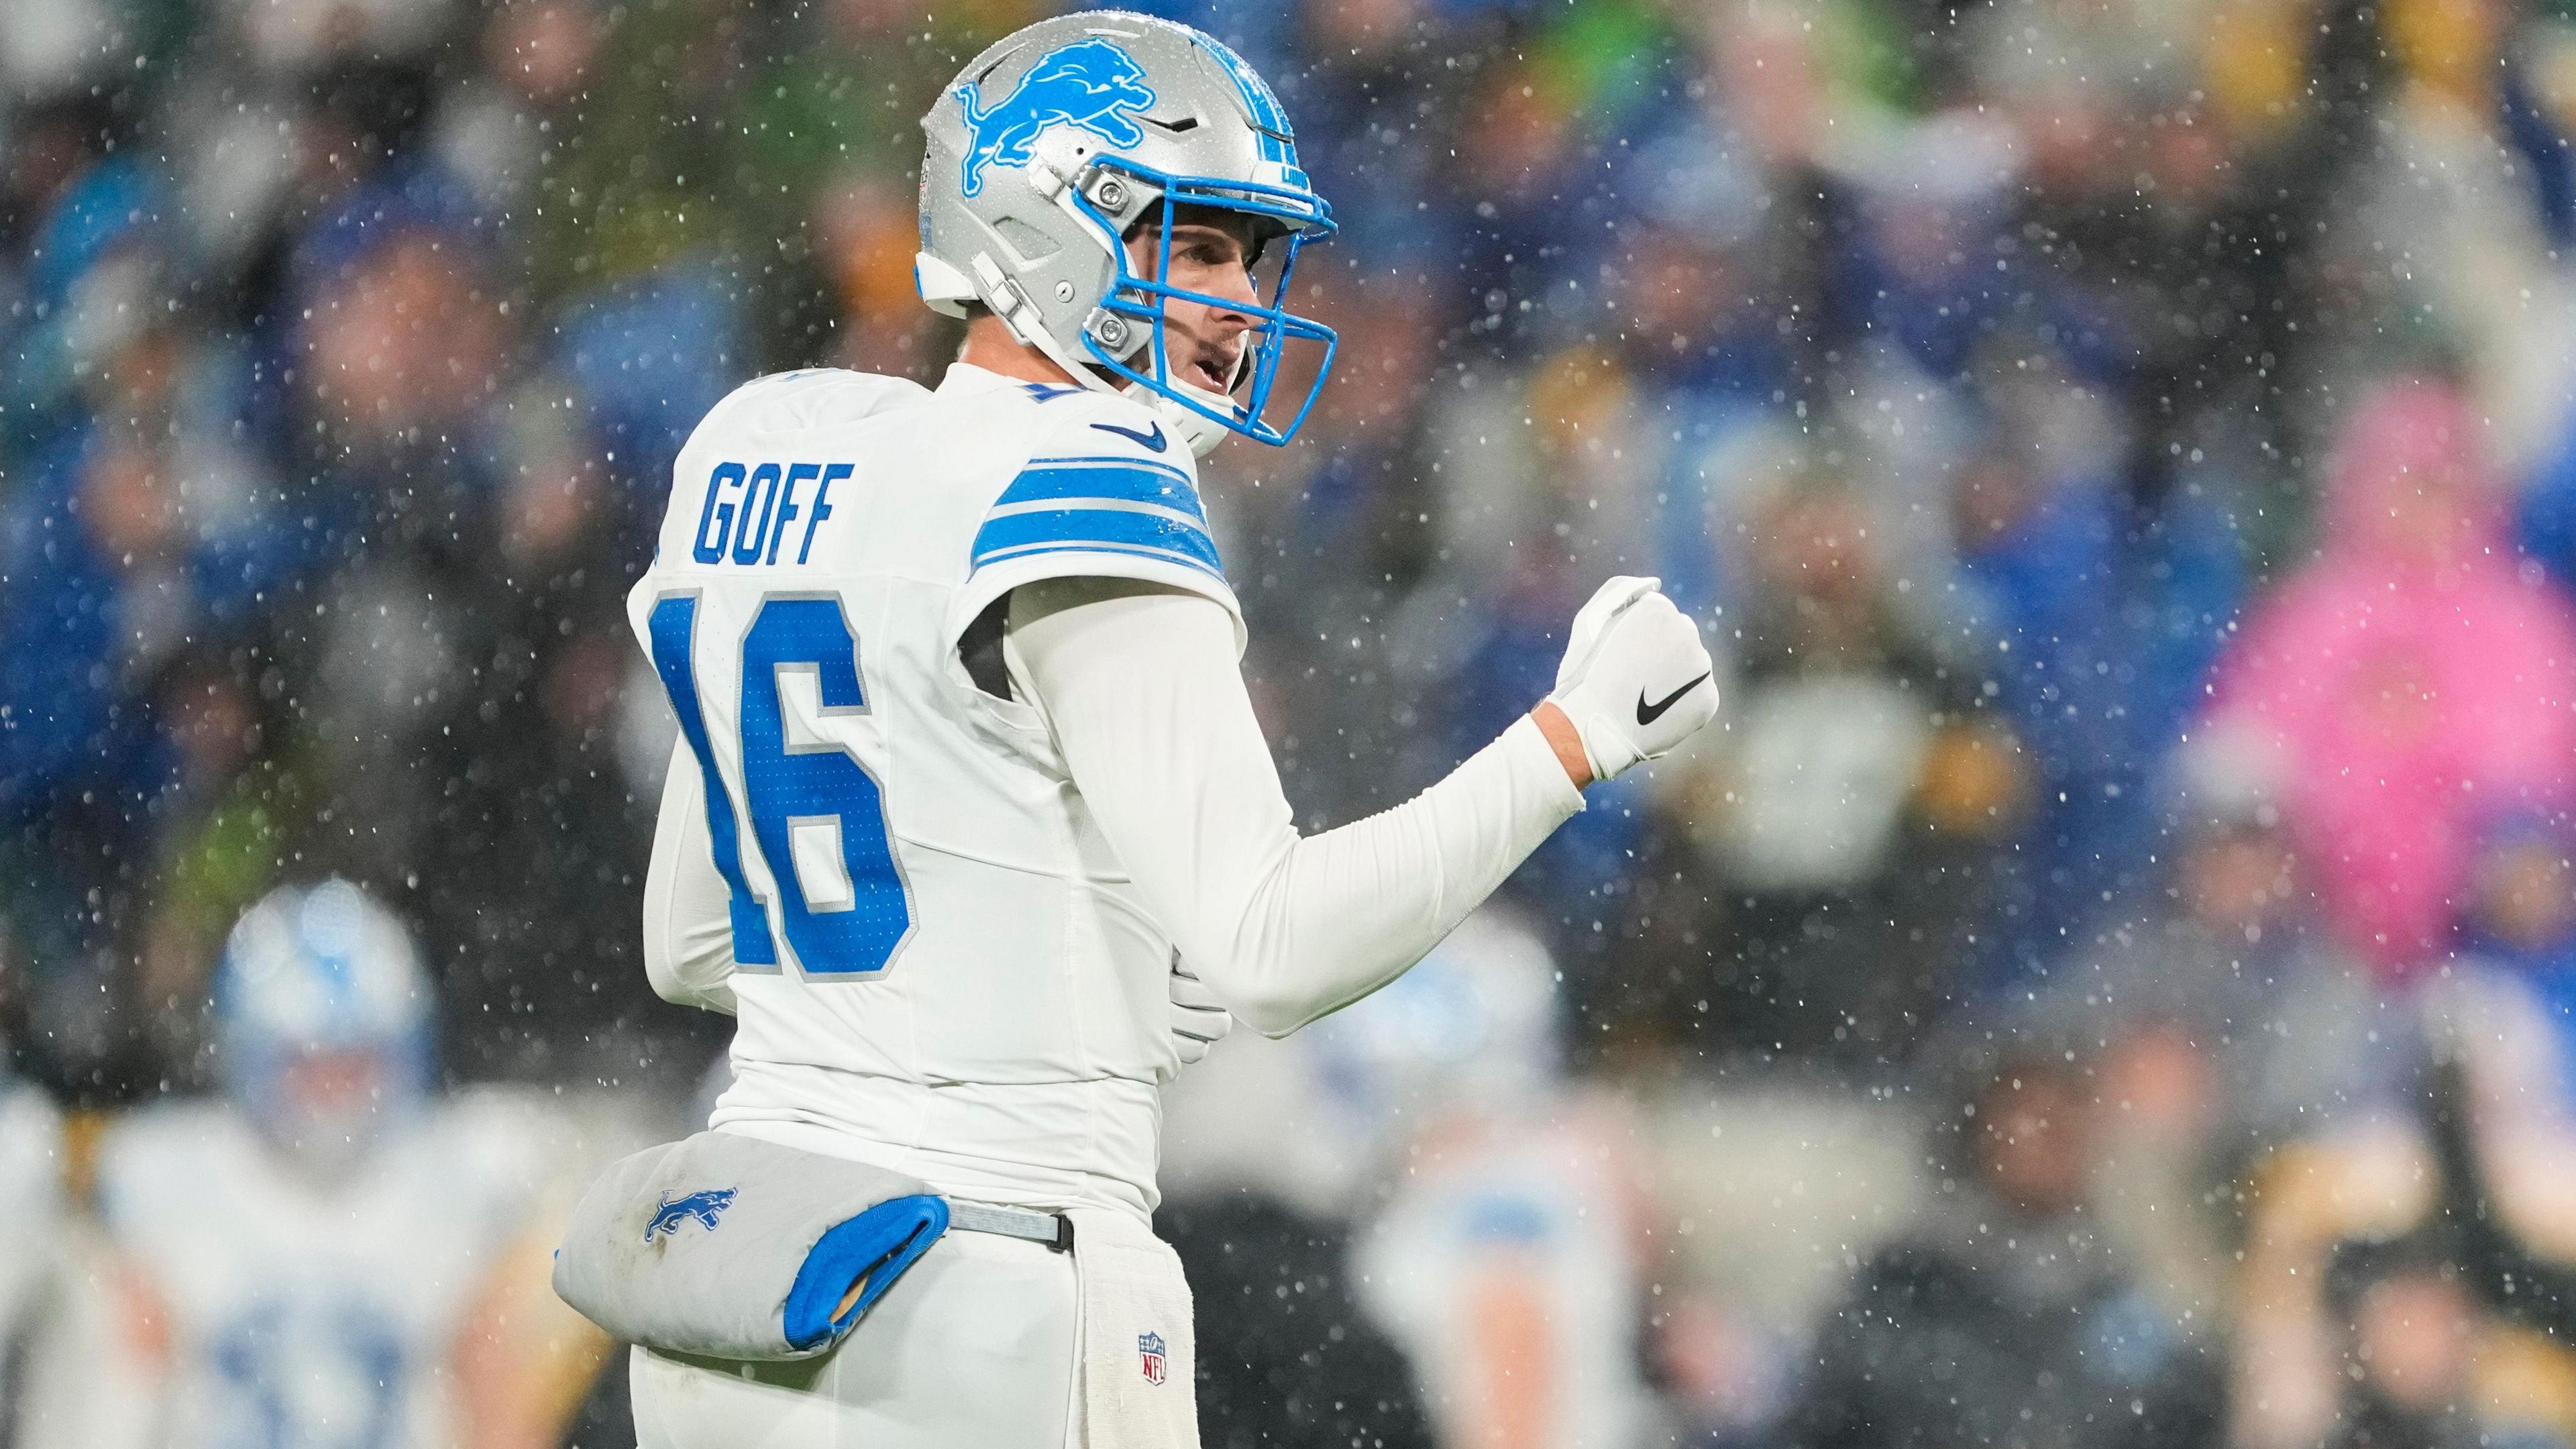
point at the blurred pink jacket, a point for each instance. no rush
(2416, 676)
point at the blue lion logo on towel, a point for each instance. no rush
(705, 1205)
(1090, 83)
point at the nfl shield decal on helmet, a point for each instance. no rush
(1149, 1347)
(1090, 83)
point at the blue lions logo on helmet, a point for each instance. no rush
(1090, 83)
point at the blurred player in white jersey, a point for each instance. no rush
(1507, 1257)
(971, 823)
(328, 1256)
(1501, 1203)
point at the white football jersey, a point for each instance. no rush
(287, 1311)
(940, 966)
(1506, 1266)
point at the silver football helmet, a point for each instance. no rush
(322, 1013)
(1054, 145)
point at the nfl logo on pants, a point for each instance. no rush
(1149, 1346)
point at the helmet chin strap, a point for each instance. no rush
(1200, 434)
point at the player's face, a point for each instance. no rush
(1213, 253)
(327, 1108)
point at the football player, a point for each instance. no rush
(1507, 1256)
(971, 823)
(329, 1253)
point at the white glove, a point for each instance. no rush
(1636, 680)
(1197, 1020)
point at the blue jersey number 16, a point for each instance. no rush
(813, 807)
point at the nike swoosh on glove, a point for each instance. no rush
(1197, 1021)
(1636, 680)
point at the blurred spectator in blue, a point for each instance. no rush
(1369, 77)
(1533, 187)
(400, 358)
(1513, 633)
(1536, 501)
(452, 691)
(2545, 512)
(396, 351)
(646, 358)
(137, 528)
(2540, 116)
(2090, 621)
(87, 212)
(1919, 271)
(1699, 282)
(290, 153)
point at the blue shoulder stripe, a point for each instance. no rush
(1157, 531)
(1132, 480)
(1164, 554)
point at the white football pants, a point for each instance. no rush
(973, 1348)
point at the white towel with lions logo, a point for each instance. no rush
(1137, 1389)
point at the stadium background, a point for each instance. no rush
(2107, 978)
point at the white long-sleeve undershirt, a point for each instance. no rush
(688, 916)
(1140, 689)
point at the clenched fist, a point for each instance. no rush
(1636, 680)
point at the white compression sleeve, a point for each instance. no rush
(688, 911)
(1142, 693)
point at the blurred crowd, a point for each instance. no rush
(2109, 979)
